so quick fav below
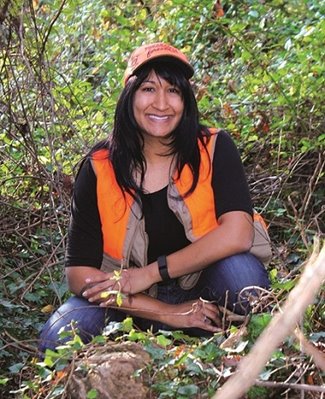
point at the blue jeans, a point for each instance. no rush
(221, 282)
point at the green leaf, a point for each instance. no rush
(155, 352)
(76, 342)
(51, 357)
(257, 324)
(246, 55)
(285, 285)
(16, 368)
(119, 299)
(188, 390)
(8, 304)
(273, 275)
(209, 352)
(127, 324)
(99, 339)
(48, 361)
(265, 375)
(163, 341)
(195, 369)
(182, 360)
(136, 335)
(92, 394)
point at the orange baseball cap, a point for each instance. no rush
(149, 52)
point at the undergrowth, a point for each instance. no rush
(180, 366)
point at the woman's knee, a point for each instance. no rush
(237, 271)
(235, 279)
(75, 314)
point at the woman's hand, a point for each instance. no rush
(126, 281)
(198, 313)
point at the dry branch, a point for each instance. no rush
(300, 387)
(282, 325)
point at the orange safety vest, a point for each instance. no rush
(124, 238)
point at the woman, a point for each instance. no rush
(165, 204)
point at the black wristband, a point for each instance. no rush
(163, 269)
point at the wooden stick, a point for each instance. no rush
(301, 387)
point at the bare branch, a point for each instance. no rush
(301, 387)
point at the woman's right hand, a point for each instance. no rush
(198, 313)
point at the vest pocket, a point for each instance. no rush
(261, 247)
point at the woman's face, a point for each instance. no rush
(158, 107)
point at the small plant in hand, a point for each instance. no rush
(114, 294)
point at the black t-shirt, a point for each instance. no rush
(166, 234)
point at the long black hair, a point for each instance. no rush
(126, 142)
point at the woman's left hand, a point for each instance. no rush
(126, 281)
(198, 313)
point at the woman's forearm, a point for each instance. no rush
(196, 313)
(77, 277)
(145, 306)
(234, 235)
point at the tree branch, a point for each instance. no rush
(301, 387)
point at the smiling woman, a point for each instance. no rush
(162, 225)
(158, 107)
